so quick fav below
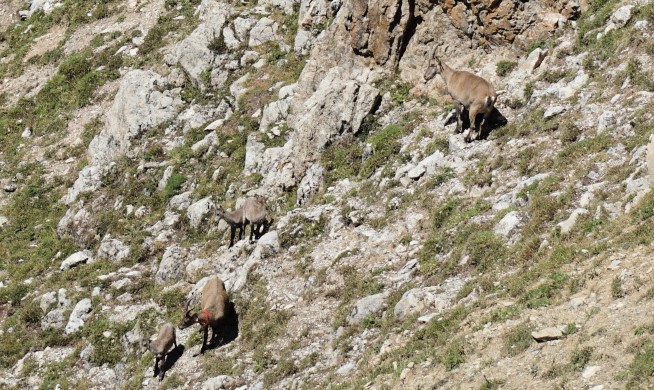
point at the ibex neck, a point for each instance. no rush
(233, 216)
(447, 72)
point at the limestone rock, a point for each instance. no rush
(199, 210)
(217, 383)
(567, 225)
(138, 106)
(269, 243)
(113, 249)
(80, 313)
(533, 60)
(75, 259)
(366, 307)
(338, 106)
(181, 201)
(172, 265)
(547, 334)
(434, 298)
(553, 111)
(264, 31)
(508, 224)
(622, 15)
(650, 161)
(310, 183)
(193, 53)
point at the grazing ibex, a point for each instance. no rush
(160, 346)
(467, 90)
(215, 304)
(253, 211)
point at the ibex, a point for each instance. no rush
(160, 346)
(467, 90)
(255, 214)
(253, 211)
(215, 304)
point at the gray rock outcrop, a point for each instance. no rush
(80, 313)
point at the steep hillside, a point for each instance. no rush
(399, 255)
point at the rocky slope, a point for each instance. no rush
(399, 256)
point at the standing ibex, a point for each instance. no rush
(160, 346)
(467, 90)
(215, 304)
(255, 214)
(253, 211)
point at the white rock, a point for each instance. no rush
(264, 31)
(366, 307)
(181, 201)
(80, 313)
(508, 224)
(75, 259)
(615, 264)
(606, 121)
(553, 110)
(590, 371)
(547, 334)
(568, 224)
(346, 368)
(534, 60)
(198, 210)
(113, 249)
(622, 15)
(172, 265)
(217, 383)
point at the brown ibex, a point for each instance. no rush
(253, 211)
(255, 215)
(160, 346)
(467, 90)
(215, 304)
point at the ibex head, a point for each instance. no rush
(189, 318)
(145, 343)
(434, 65)
(220, 211)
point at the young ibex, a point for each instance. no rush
(467, 90)
(215, 304)
(160, 346)
(253, 211)
(255, 214)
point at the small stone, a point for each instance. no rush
(26, 133)
(75, 259)
(553, 110)
(615, 264)
(547, 334)
(589, 371)
(426, 318)
(567, 225)
(346, 369)
(534, 60)
(577, 302)
(416, 172)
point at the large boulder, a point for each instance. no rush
(171, 268)
(138, 106)
(193, 53)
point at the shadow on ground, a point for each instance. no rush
(494, 121)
